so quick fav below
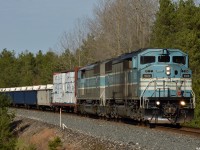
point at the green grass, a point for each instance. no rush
(22, 145)
(55, 143)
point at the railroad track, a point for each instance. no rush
(180, 130)
(167, 128)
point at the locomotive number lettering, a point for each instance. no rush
(147, 75)
(186, 75)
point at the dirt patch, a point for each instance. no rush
(38, 134)
(32, 132)
(42, 137)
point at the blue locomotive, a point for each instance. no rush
(151, 85)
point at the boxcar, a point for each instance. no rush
(64, 94)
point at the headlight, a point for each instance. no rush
(168, 70)
(182, 103)
(157, 102)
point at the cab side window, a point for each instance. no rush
(179, 59)
(147, 59)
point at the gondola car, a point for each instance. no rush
(152, 85)
(39, 96)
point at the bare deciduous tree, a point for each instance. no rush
(123, 25)
(118, 26)
(72, 41)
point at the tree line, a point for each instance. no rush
(28, 68)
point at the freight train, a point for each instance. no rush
(150, 85)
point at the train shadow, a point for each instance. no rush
(131, 121)
(176, 126)
(147, 124)
(17, 127)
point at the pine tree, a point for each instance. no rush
(9, 69)
(45, 65)
(164, 26)
(7, 139)
(26, 61)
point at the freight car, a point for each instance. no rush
(151, 85)
(44, 96)
(64, 93)
(39, 96)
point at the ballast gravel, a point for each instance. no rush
(134, 136)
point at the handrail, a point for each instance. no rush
(142, 105)
(160, 88)
(103, 97)
(194, 98)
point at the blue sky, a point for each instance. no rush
(38, 24)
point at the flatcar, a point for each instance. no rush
(152, 85)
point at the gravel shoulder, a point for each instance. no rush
(110, 135)
(37, 133)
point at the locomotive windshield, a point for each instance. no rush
(163, 58)
(147, 59)
(179, 59)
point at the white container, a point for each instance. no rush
(35, 87)
(24, 88)
(18, 88)
(29, 88)
(64, 88)
(49, 86)
(12, 89)
(42, 87)
(7, 89)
